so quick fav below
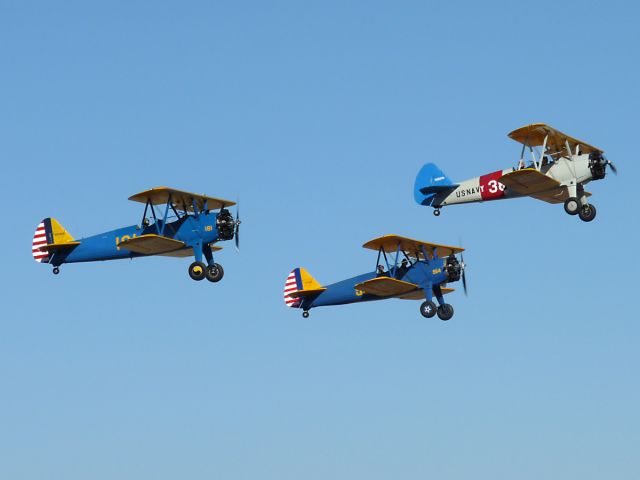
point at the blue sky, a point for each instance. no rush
(317, 115)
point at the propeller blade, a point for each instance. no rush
(613, 167)
(464, 275)
(237, 232)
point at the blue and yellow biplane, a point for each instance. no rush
(420, 271)
(183, 226)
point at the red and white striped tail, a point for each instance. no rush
(291, 285)
(40, 240)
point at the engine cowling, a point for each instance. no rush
(453, 268)
(597, 165)
(225, 225)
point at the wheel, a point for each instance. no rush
(436, 212)
(428, 309)
(197, 270)
(214, 273)
(305, 314)
(572, 206)
(445, 311)
(587, 212)
(56, 270)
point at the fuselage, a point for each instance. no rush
(189, 229)
(424, 274)
(487, 187)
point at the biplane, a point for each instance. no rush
(174, 224)
(412, 270)
(557, 173)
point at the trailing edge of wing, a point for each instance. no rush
(419, 294)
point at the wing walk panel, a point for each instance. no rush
(386, 287)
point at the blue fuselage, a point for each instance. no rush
(193, 231)
(426, 275)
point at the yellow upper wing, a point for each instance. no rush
(533, 135)
(390, 243)
(180, 199)
(385, 287)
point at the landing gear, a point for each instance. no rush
(305, 314)
(572, 206)
(56, 270)
(197, 270)
(587, 212)
(436, 212)
(445, 311)
(428, 309)
(214, 272)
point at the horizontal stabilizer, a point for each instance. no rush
(385, 287)
(438, 189)
(151, 244)
(59, 246)
(305, 293)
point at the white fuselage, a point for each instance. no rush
(570, 173)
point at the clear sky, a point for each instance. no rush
(317, 115)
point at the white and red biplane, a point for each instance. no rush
(557, 173)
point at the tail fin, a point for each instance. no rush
(48, 232)
(298, 280)
(429, 182)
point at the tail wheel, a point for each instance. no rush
(305, 314)
(428, 309)
(587, 213)
(56, 270)
(436, 212)
(214, 272)
(572, 206)
(197, 270)
(445, 311)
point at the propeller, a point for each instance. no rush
(611, 165)
(238, 222)
(464, 275)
